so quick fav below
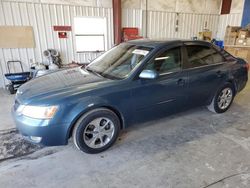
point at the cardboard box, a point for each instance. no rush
(205, 35)
(232, 30)
(243, 34)
(243, 53)
(241, 42)
(233, 34)
(229, 40)
(248, 41)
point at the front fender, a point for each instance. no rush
(85, 106)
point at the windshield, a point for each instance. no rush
(118, 62)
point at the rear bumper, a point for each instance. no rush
(242, 84)
(51, 135)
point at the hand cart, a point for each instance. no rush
(17, 78)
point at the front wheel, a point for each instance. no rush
(222, 99)
(96, 131)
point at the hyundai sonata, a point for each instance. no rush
(134, 81)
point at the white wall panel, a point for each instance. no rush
(43, 17)
(191, 24)
(132, 18)
(162, 24)
(228, 19)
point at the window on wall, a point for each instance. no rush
(90, 34)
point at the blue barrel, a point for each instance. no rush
(219, 43)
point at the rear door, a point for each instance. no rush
(206, 69)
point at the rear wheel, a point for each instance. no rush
(222, 99)
(96, 131)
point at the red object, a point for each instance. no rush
(62, 35)
(131, 33)
(226, 6)
(130, 30)
(62, 28)
(117, 23)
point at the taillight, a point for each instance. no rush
(247, 66)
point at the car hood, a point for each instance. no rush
(63, 81)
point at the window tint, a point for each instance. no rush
(168, 61)
(203, 55)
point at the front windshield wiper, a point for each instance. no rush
(102, 74)
(94, 72)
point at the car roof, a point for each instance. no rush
(163, 42)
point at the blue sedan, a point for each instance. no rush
(133, 82)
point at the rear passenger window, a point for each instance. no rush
(203, 55)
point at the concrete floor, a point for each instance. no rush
(193, 149)
(6, 101)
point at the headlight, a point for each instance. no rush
(38, 112)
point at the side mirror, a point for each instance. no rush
(148, 74)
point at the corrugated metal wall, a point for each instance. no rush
(228, 19)
(132, 18)
(42, 17)
(163, 24)
(192, 24)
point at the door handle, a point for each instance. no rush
(181, 82)
(219, 74)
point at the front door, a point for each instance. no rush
(155, 98)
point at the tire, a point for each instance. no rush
(223, 99)
(11, 89)
(96, 131)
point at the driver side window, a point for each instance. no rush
(168, 61)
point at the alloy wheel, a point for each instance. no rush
(99, 132)
(225, 98)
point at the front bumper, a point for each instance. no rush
(51, 134)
